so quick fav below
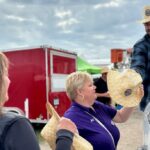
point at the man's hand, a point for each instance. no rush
(140, 91)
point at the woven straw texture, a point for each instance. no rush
(124, 87)
(50, 129)
(146, 15)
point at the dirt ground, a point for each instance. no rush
(131, 133)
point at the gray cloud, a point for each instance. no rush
(83, 26)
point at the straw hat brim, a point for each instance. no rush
(124, 87)
(145, 20)
(50, 129)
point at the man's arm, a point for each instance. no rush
(106, 94)
(139, 59)
(65, 133)
(64, 139)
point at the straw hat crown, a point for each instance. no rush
(104, 70)
(124, 87)
(146, 15)
(50, 129)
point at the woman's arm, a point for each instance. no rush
(123, 114)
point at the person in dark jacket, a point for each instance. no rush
(101, 87)
(140, 60)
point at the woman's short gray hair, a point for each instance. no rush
(76, 81)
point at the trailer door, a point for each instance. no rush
(61, 64)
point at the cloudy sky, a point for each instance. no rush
(88, 27)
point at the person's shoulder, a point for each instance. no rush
(12, 115)
(74, 113)
(97, 80)
(9, 117)
(72, 110)
(98, 104)
(18, 123)
(141, 41)
(102, 105)
(7, 120)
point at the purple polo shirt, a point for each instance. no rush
(90, 130)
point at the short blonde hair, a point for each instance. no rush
(76, 81)
(3, 67)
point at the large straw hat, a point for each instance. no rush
(104, 70)
(146, 15)
(124, 87)
(50, 129)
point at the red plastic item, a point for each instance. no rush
(116, 55)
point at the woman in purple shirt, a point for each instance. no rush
(94, 120)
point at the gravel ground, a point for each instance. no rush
(131, 133)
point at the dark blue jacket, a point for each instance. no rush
(16, 133)
(140, 62)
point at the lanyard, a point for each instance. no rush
(102, 125)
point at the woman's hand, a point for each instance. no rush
(67, 124)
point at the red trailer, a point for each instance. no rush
(38, 75)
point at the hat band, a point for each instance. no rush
(147, 12)
(128, 92)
